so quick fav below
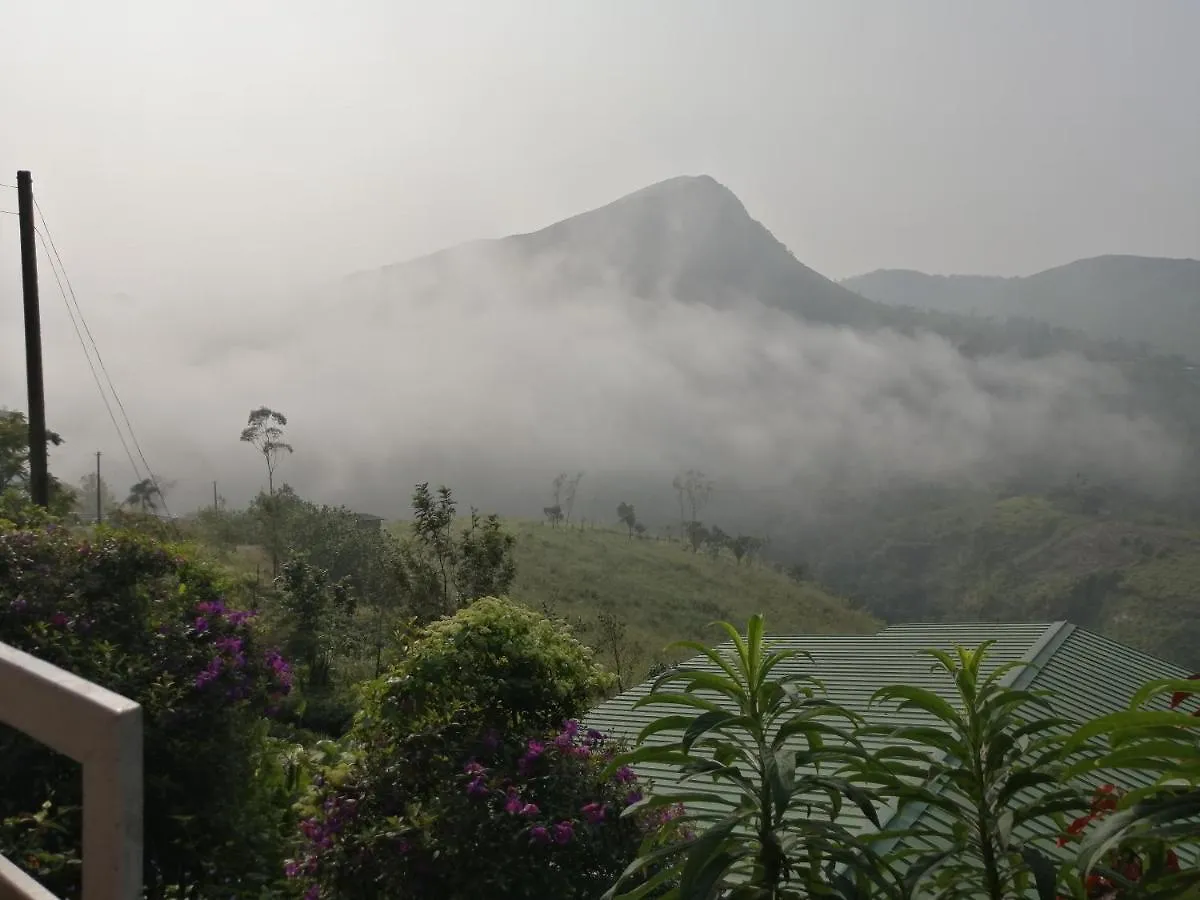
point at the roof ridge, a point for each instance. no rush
(1040, 652)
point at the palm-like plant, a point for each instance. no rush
(1149, 821)
(989, 767)
(773, 752)
(144, 495)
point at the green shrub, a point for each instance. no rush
(463, 779)
(496, 664)
(145, 619)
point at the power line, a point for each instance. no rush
(9, 212)
(100, 359)
(137, 476)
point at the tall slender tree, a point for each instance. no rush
(265, 432)
(570, 488)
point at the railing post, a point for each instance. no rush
(112, 812)
(102, 731)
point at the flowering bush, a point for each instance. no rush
(464, 783)
(146, 620)
(1133, 866)
(493, 817)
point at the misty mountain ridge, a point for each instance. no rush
(1137, 299)
(669, 329)
(689, 238)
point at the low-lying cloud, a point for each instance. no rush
(485, 373)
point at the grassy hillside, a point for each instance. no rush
(663, 592)
(1136, 579)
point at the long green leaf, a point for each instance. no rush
(919, 698)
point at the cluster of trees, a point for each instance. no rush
(144, 497)
(564, 491)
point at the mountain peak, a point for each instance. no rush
(686, 188)
(688, 237)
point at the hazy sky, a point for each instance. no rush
(186, 144)
(199, 161)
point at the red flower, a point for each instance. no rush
(1179, 696)
(1104, 799)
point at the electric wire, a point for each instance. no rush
(103, 368)
(137, 475)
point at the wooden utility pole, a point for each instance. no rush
(39, 473)
(216, 505)
(99, 492)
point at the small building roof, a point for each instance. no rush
(1089, 676)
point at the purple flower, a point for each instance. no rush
(539, 834)
(201, 624)
(230, 645)
(525, 763)
(595, 736)
(529, 809)
(19, 604)
(473, 768)
(563, 741)
(563, 832)
(633, 797)
(570, 728)
(624, 775)
(514, 804)
(59, 620)
(292, 869)
(210, 673)
(279, 666)
(594, 813)
(313, 893)
(491, 740)
(476, 788)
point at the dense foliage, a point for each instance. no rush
(150, 622)
(986, 783)
(469, 776)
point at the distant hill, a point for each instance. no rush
(663, 592)
(1130, 298)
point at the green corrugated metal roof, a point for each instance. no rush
(1089, 675)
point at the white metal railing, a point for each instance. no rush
(102, 731)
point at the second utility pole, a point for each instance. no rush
(39, 473)
(99, 492)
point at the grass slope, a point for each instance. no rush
(1134, 579)
(662, 592)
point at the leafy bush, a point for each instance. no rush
(148, 621)
(456, 785)
(989, 780)
(991, 765)
(772, 830)
(1138, 831)
(495, 664)
(442, 814)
